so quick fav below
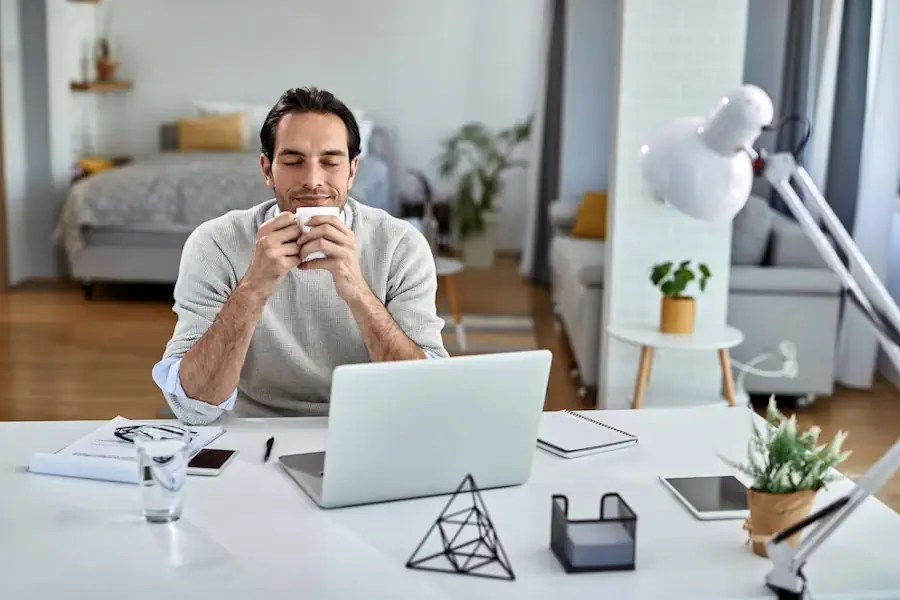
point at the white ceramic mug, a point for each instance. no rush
(305, 213)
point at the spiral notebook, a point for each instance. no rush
(570, 435)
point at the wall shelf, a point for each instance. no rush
(101, 86)
(85, 1)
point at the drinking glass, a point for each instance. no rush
(162, 472)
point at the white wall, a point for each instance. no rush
(697, 55)
(589, 86)
(36, 123)
(421, 69)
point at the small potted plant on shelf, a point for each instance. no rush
(788, 468)
(678, 308)
(106, 64)
(480, 158)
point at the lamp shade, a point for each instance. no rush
(699, 165)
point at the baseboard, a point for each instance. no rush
(886, 368)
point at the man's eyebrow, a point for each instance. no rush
(293, 152)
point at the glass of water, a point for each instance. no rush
(162, 472)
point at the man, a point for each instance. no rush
(259, 329)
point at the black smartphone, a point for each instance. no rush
(210, 461)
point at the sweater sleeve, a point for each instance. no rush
(412, 292)
(205, 282)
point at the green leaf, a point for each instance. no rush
(704, 270)
(659, 272)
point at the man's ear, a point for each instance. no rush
(353, 166)
(266, 165)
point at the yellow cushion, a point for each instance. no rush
(590, 222)
(217, 132)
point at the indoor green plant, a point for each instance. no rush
(678, 308)
(480, 158)
(787, 468)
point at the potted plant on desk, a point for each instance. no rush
(678, 309)
(788, 468)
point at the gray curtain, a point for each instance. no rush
(795, 100)
(845, 153)
(550, 147)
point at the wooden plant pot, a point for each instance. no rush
(773, 513)
(677, 314)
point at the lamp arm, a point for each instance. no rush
(884, 314)
(885, 322)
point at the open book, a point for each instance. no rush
(569, 434)
(101, 455)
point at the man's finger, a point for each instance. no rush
(326, 231)
(291, 233)
(330, 249)
(280, 221)
(319, 220)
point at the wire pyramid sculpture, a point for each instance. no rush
(469, 542)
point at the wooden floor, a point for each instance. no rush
(62, 357)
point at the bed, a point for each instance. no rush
(130, 224)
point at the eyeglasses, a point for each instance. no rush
(130, 433)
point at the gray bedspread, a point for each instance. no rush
(176, 192)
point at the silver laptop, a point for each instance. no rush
(410, 429)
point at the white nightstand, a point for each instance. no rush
(649, 338)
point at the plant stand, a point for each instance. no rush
(650, 339)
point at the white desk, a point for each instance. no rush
(251, 533)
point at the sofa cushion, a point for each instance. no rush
(752, 227)
(583, 258)
(783, 280)
(591, 220)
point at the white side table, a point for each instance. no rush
(448, 268)
(649, 338)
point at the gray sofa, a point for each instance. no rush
(780, 289)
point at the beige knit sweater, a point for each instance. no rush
(306, 329)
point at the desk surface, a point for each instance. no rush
(252, 533)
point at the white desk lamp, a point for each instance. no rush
(705, 167)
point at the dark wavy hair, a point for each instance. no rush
(308, 99)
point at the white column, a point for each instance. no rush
(676, 58)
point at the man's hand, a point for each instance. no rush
(338, 242)
(276, 253)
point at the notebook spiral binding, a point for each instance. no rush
(595, 422)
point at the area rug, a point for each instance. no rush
(487, 334)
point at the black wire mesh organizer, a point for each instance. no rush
(468, 541)
(604, 544)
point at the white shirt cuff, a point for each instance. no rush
(165, 374)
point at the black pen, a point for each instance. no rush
(269, 444)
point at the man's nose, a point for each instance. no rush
(313, 175)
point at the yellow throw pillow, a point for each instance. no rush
(218, 132)
(590, 222)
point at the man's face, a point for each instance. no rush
(310, 165)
